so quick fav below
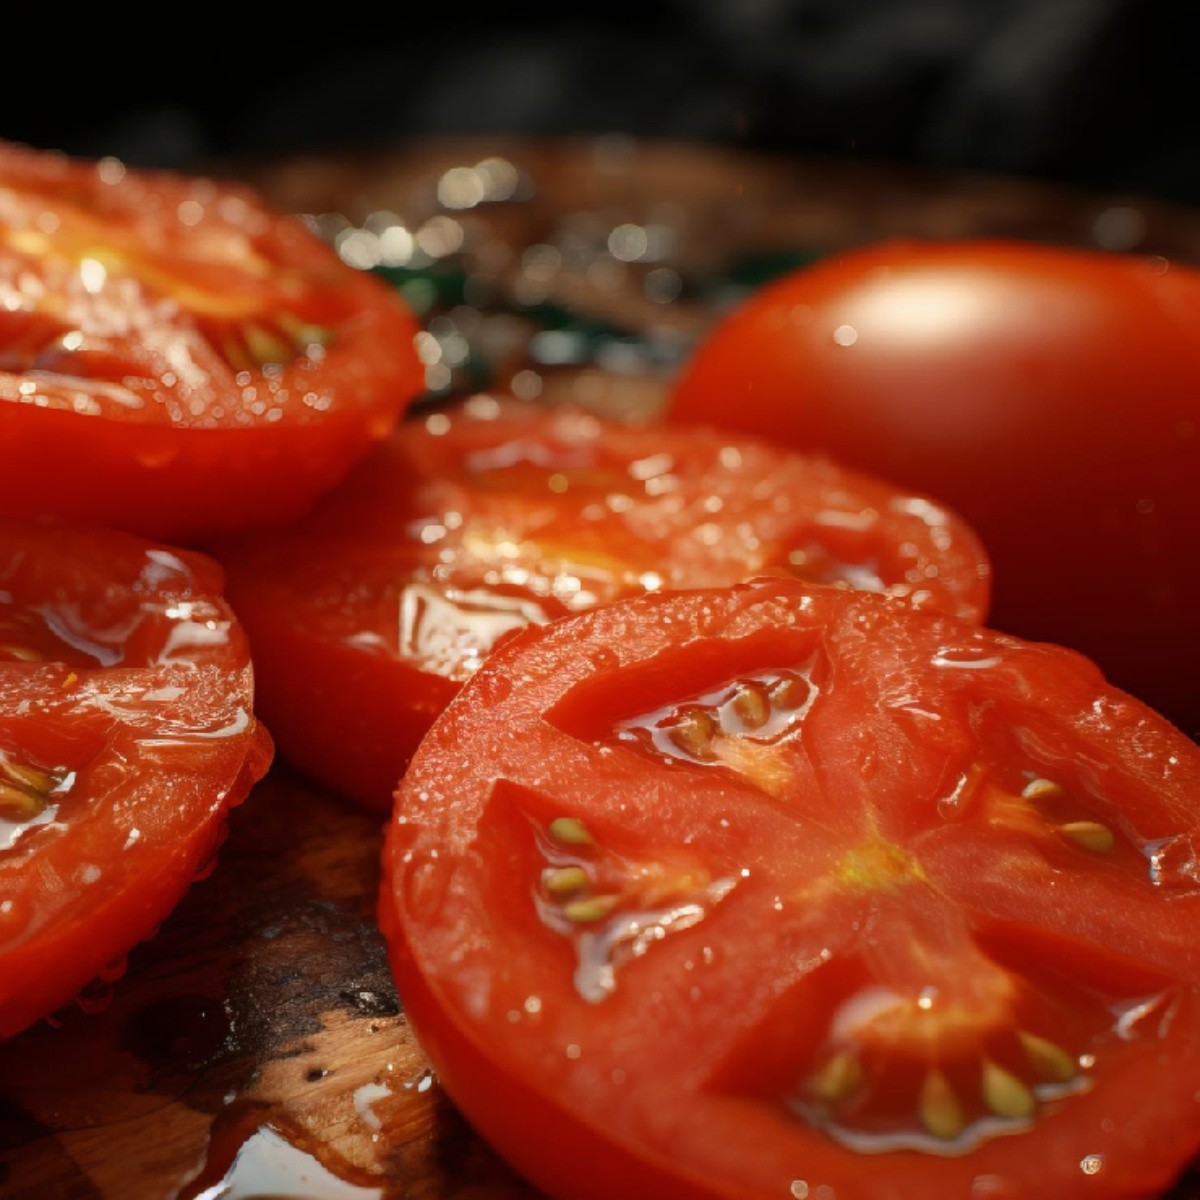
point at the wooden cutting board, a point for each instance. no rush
(257, 1046)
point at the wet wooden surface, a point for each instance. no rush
(265, 1000)
(262, 1019)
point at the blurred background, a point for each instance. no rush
(1103, 93)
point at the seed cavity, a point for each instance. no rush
(741, 725)
(257, 344)
(304, 333)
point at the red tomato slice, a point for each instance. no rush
(126, 735)
(476, 522)
(1048, 395)
(189, 361)
(792, 892)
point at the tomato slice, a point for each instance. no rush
(475, 522)
(189, 361)
(782, 891)
(126, 735)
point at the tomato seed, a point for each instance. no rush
(940, 1111)
(25, 805)
(30, 779)
(1091, 835)
(266, 347)
(1005, 1094)
(789, 691)
(570, 831)
(594, 908)
(565, 880)
(751, 706)
(1040, 790)
(837, 1078)
(1050, 1061)
(693, 732)
(22, 653)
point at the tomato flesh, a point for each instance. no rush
(126, 734)
(472, 523)
(1047, 395)
(188, 361)
(766, 891)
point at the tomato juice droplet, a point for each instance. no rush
(628, 934)
(1174, 862)
(253, 1153)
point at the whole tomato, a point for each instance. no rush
(1051, 396)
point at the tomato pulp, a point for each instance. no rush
(474, 522)
(175, 358)
(791, 892)
(126, 734)
(1048, 395)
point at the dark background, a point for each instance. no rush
(1098, 92)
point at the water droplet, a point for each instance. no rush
(1092, 1164)
(1174, 861)
(266, 1163)
(966, 658)
(364, 1099)
(628, 935)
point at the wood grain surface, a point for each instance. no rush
(257, 1046)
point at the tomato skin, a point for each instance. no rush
(132, 685)
(1048, 395)
(188, 361)
(475, 521)
(661, 1087)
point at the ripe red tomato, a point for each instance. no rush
(785, 891)
(126, 735)
(475, 522)
(1050, 396)
(177, 360)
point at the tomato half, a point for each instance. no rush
(175, 358)
(1047, 395)
(126, 735)
(475, 522)
(782, 891)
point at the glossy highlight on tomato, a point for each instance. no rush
(783, 891)
(1048, 395)
(126, 735)
(474, 522)
(175, 358)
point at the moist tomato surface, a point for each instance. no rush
(474, 522)
(126, 734)
(789, 892)
(177, 359)
(1048, 395)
